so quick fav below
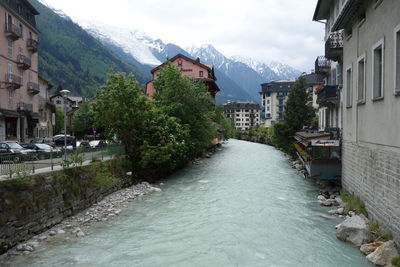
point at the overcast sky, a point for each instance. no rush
(266, 30)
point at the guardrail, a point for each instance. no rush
(13, 164)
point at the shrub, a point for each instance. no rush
(353, 203)
(396, 261)
(379, 234)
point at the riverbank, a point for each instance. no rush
(80, 224)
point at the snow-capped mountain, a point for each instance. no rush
(238, 78)
(133, 42)
(57, 11)
(270, 71)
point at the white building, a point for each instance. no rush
(244, 114)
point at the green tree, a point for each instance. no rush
(59, 127)
(152, 139)
(82, 120)
(227, 124)
(188, 100)
(297, 111)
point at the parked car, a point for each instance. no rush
(83, 144)
(43, 151)
(60, 139)
(97, 143)
(15, 151)
(47, 141)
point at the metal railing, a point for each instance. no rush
(322, 65)
(13, 164)
(24, 62)
(33, 88)
(32, 45)
(13, 80)
(25, 107)
(334, 46)
(13, 31)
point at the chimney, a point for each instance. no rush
(198, 60)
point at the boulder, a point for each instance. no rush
(340, 211)
(384, 254)
(369, 248)
(321, 198)
(354, 230)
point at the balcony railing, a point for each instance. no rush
(13, 81)
(334, 46)
(12, 31)
(25, 107)
(33, 88)
(24, 62)
(32, 45)
(322, 65)
(329, 93)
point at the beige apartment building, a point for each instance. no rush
(47, 110)
(370, 101)
(244, 114)
(19, 88)
(273, 98)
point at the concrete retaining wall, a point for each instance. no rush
(374, 176)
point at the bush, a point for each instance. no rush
(353, 203)
(379, 234)
(396, 261)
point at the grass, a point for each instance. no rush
(353, 203)
(379, 234)
(396, 262)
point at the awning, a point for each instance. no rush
(9, 113)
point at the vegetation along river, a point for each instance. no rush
(243, 207)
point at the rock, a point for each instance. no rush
(76, 230)
(327, 203)
(42, 238)
(332, 212)
(60, 232)
(321, 198)
(24, 247)
(384, 254)
(369, 248)
(52, 233)
(332, 197)
(354, 230)
(340, 211)
(80, 234)
(68, 226)
(33, 244)
(155, 189)
(352, 213)
(129, 173)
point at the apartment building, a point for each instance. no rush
(47, 110)
(191, 68)
(273, 98)
(19, 88)
(244, 114)
(370, 57)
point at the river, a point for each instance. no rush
(243, 207)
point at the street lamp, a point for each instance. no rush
(64, 94)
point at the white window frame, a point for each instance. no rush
(363, 57)
(381, 42)
(349, 89)
(396, 84)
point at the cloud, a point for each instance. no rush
(268, 30)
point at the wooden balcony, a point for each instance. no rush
(322, 65)
(32, 45)
(334, 46)
(24, 62)
(33, 88)
(12, 81)
(12, 31)
(25, 107)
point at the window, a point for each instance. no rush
(349, 87)
(397, 59)
(377, 70)
(201, 73)
(10, 98)
(21, 31)
(21, 75)
(268, 101)
(361, 73)
(58, 102)
(30, 76)
(10, 68)
(10, 48)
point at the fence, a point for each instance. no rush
(30, 163)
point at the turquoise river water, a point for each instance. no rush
(243, 207)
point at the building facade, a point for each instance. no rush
(244, 114)
(273, 98)
(19, 88)
(47, 110)
(191, 68)
(371, 102)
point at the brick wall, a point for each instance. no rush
(374, 176)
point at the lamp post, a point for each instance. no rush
(64, 94)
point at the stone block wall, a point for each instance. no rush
(31, 205)
(374, 176)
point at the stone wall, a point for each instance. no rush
(374, 176)
(31, 205)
